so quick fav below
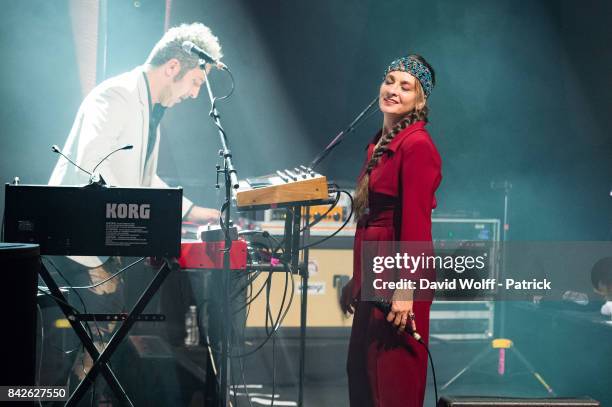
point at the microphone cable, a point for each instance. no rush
(433, 372)
(385, 308)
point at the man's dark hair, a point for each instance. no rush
(602, 273)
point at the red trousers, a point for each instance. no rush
(387, 369)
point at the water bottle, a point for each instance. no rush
(192, 331)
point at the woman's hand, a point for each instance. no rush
(401, 314)
(347, 302)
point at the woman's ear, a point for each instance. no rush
(421, 103)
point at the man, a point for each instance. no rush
(127, 109)
(601, 277)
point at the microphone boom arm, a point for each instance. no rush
(340, 137)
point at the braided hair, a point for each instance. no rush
(362, 191)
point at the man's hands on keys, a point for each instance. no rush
(202, 216)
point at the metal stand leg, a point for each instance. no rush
(303, 311)
(516, 352)
(81, 332)
(292, 251)
(478, 357)
(225, 367)
(535, 374)
(100, 360)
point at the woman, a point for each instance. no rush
(386, 366)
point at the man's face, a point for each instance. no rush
(187, 87)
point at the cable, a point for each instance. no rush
(48, 293)
(87, 327)
(253, 277)
(433, 372)
(271, 238)
(246, 389)
(244, 287)
(67, 282)
(268, 310)
(277, 324)
(240, 336)
(240, 361)
(233, 385)
(231, 92)
(250, 301)
(80, 299)
(385, 308)
(278, 318)
(273, 370)
(213, 103)
(269, 336)
(310, 225)
(2, 226)
(42, 347)
(86, 287)
(332, 206)
(85, 324)
(337, 231)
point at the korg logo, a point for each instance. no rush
(129, 211)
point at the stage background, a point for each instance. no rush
(523, 94)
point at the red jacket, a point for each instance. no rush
(401, 192)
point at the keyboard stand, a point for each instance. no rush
(100, 360)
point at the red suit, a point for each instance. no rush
(387, 369)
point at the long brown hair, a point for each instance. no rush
(362, 191)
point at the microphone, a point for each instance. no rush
(385, 308)
(193, 49)
(127, 147)
(56, 150)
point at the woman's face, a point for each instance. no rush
(399, 95)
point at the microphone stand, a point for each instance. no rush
(340, 137)
(305, 241)
(231, 185)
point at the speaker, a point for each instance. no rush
(467, 401)
(157, 374)
(326, 267)
(19, 265)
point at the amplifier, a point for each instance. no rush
(325, 266)
(94, 220)
(462, 320)
(451, 317)
(462, 229)
(464, 401)
(465, 237)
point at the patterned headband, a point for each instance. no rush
(416, 69)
